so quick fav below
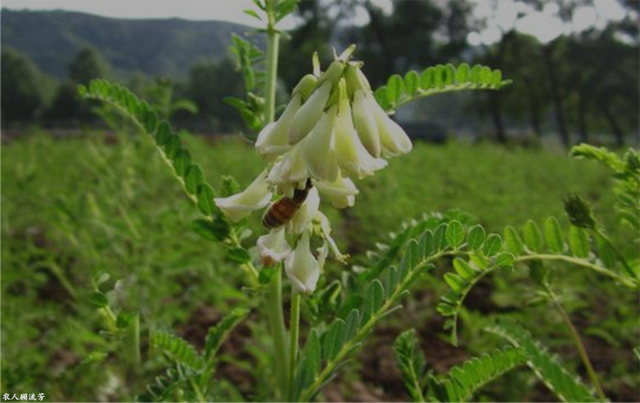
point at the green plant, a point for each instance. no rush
(337, 106)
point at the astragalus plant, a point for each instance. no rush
(334, 131)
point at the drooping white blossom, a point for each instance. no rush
(301, 267)
(341, 192)
(273, 247)
(255, 197)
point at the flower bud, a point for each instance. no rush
(317, 148)
(255, 197)
(273, 140)
(365, 124)
(352, 157)
(273, 247)
(356, 80)
(334, 72)
(393, 138)
(301, 220)
(307, 116)
(302, 268)
(306, 86)
(579, 212)
(341, 192)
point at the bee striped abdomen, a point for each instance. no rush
(280, 213)
(284, 209)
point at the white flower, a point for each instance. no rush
(365, 124)
(301, 220)
(255, 197)
(307, 116)
(341, 192)
(352, 157)
(317, 148)
(303, 270)
(289, 170)
(273, 247)
(273, 140)
(393, 139)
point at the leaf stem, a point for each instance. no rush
(579, 262)
(578, 343)
(294, 328)
(276, 323)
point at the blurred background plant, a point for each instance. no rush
(89, 245)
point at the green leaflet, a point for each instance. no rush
(411, 364)
(168, 143)
(178, 349)
(437, 80)
(532, 236)
(464, 380)
(455, 234)
(579, 242)
(565, 385)
(554, 236)
(220, 332)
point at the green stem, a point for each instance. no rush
(59, 273)
(580, 262)
(578, 342)
(274, 294)
(294, 328)
(276, 323)
(273, 43)
(197, 391)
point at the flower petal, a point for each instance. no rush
(341, 192)
(365, 124)
(255, 197)
(302, 268)
(353, 159)
(393, 138)
(301, 220)
(309, 113)
(273, 140)
(317, 148)
(273, 247)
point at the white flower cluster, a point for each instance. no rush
(332, 130)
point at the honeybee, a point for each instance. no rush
(283, 210)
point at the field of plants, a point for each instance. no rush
(104, 212)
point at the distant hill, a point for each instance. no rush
(155, 47)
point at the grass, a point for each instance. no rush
(76, 209)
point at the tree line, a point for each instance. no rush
(579, 86)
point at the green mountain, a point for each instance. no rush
(166, 47)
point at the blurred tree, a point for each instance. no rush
(416, 35)
(22, 88)
(207, 86)
(161, 97)
(319, 24)
(66, 108)
(87, 65)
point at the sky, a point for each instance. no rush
(503, 14)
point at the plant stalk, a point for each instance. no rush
(578, 343)
(274, 293)
(278, 332)
(294, 328)
(273, 44)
